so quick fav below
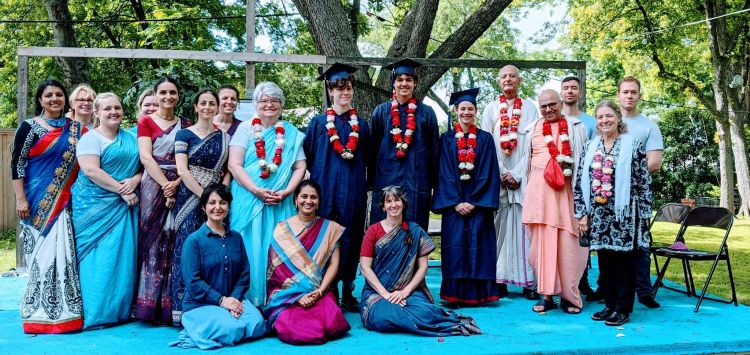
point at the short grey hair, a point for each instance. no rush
(269, 89)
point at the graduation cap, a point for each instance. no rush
(458, 97)
(335, 72)
(403, 66)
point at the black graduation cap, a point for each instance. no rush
(458, 97)
(403, 66)
(335, 72)
(469, 95)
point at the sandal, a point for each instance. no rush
(545, 304)
(568, 307)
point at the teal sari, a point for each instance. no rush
(255, 220)
(106, 235)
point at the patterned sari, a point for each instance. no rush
(296, 266)
(106, 234)
(207, 162)
(156, 235)
(52, 300)
(394, 264)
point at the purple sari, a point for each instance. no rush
(156, 235)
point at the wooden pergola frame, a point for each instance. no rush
(24, 53)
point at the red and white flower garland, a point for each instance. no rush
(564, 158)
(267, 169)
(402, 142)
(466, 143)
(509, 125)
(346, 152)
(602, 174)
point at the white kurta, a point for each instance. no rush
(513, 243)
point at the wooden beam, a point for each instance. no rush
(582, 100)
(21, 107)
(169, 54)
(250, 48)
(466, 63)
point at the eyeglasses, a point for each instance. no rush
(84, 100)
(549, 106)
(269, 101)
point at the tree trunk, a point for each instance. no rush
(740, 163)
(726, 166)
(75, 70)
(331, 31)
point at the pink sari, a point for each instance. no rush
(296, 265)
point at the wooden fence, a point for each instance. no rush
(7, 196)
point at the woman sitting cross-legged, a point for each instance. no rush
(302, 264)
(393, 260)
(217, 276)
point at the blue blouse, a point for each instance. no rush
(213, 266)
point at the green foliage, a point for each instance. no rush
(690, 166)
(8, 239)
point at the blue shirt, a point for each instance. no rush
(213, 266)
(589, 122)
(646, 132)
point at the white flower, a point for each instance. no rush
(609, 158)
(505, 138)
(503, 105)
(354, 134)
(472, 136)
(560, 159)
(262, 162)
(413, 106)
(272, 168)
(569, 159)
(548, 139)
(258, 135)
(459, 135)
(347, 155)
(469, 166)
(567, 172)
(517, 111)
(596, 183)
(606, 187)
(408, 132)
(280, 142)
(404, 146)
(513, 135)
(564, 137)
(354, 121)
(396, 131)
(465, 177)
(329, 118)
(462, 165)
(333, 137)
(607, 170)
(596, 165)
(330, 125)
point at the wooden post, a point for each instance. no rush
(22, 104)
(582, 78)
(250, 44)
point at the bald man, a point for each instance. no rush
(503, 118)
(556, 256)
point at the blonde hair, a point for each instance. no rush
(621, 125)
(143, 96)
(77, 90)
(97, 101)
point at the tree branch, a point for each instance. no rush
(684, 83)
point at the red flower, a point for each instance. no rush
(405, 226)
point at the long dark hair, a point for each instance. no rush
(40, 90)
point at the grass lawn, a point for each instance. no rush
(708, 239)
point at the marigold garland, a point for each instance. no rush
(267, 169)
(466, 143)
(346, 152)
(509, 125)
(403, 141)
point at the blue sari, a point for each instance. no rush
(52, 300)
(106, 236)
(253, 219)
(394, 264)
(207, 162)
